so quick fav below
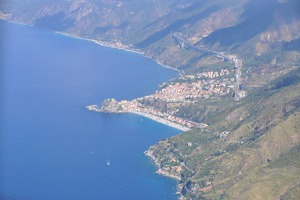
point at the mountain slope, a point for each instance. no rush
(219, 25)
(248, 149)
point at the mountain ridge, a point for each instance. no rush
(252, 142)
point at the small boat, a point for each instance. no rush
(107, 162)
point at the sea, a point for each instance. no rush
(51, 146)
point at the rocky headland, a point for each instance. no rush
(113, 106)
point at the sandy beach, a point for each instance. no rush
(153, 117)
(126, 48)
(163, 121)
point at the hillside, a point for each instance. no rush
(147, 25)
(248, 149)
(240, 75)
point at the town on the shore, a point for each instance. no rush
(184, 90)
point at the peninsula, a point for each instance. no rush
(238, 93)
(112, 106)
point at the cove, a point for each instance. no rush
(52, 147)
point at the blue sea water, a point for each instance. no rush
(51, 146)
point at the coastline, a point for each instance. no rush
(157, 162)
(102, 43)
(159, 170)
(118, 45)
(147, 115)
(162, 121)
(113, 148)
(152, 117)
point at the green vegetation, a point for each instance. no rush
(204, 110)
(258, 153)
(218, 25)
(250, 150)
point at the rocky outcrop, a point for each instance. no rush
(110, 105)
(167, 164)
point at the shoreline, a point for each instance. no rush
(147, 115)
(113, 46)
(137, 51)
(159, 170)
(162, 121)
(101, 43)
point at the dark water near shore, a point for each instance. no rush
(52, 147)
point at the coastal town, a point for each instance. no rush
(184, 90)
(164, 104)
(202, 85)
(111, 105)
